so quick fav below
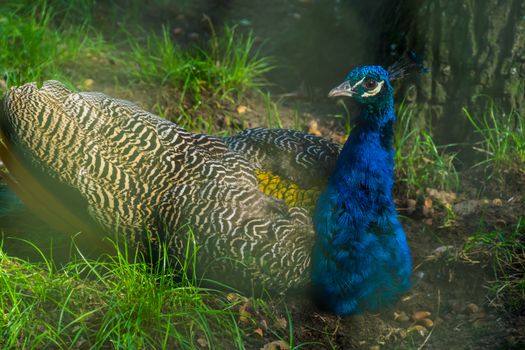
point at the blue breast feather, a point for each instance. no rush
(361, 260)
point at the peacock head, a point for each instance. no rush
(369, 86)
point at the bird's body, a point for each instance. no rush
(247, 199)
(356, 221)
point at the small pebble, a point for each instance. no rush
(439, 251)
(497, 201)
(419, 315)
(178, 31)
(473, 308)
(194, 36)
(420, 275)
(427, 322)
(401, 317)
(411, 206)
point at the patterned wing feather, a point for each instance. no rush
(139, 173)
(305, 159)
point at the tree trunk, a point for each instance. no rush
(475, 51)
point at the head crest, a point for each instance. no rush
(405, 65)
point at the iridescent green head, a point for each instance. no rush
(371, 86)
(368, 85)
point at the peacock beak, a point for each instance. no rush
(345, 89)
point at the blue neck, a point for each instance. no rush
(360, 259)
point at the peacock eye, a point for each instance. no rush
(370, 84)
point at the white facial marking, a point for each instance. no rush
(358, 83)
(375, 91)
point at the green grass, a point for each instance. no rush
(35, 45)
(502, 142)
(223, 69)
(273, 116)
(31, 49)
(420, 163)
(197, 87)
(120, 302)
(506, 251)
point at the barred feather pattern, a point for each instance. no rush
(305, 159)
(139, 173)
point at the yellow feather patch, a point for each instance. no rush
(280, 188)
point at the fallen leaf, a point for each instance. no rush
(259, 332)
(88, 84)
(244, 314)
(232, 297)
(313, 128)
(340, 138)
(202, 342)
(422, 331)
(427, 207)
(497, 201)
(281, 323)
(276, 345)
(444, 197)
(264, 324)
(242, 109)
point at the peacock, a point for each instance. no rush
(269, 208)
